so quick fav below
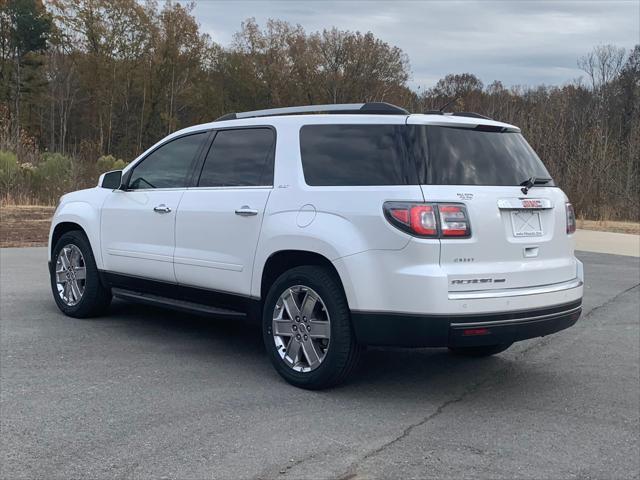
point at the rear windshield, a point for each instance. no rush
(463, 156)
(358, 155)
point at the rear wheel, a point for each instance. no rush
(482, 351)
(307, 328)
(75, 282)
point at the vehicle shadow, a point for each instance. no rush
(240, 336)
(381, 368)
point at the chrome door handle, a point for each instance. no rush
(246, 211)
(162, 208)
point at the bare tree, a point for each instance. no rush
(113, 76)
(602, 64)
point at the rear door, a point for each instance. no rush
(219, 220)
(517, 239)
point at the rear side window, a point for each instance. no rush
(167, 166)
(463, 156)
(240, 158)
(356, 155)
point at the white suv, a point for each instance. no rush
(361, 225)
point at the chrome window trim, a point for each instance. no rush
(166, 189)
(243, 187)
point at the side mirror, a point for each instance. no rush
(111, 180)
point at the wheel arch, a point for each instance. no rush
(280, 261)
(77, 216)
(62, 228)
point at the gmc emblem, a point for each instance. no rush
(531, 204)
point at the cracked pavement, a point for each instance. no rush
(146, 393)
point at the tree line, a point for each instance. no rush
(86, 85)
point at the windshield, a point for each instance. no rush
(463, 156)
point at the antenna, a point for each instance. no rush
(455, 99)
(440, 111)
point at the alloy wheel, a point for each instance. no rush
(301, 328)
(71, 274)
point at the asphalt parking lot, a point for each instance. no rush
(144, 393)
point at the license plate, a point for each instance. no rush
(526, 223)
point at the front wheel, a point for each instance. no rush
(482, 351)
(307, 329)
(75, 282)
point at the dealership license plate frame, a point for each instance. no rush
(526, 223)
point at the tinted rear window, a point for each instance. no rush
(239, 158)
(356, 155)
(462, 156)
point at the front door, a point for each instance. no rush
(219, 220)
(138, 224)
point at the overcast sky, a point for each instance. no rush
(519, 42)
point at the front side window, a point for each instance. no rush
(356, 155)
(240, 158)
(169, 165)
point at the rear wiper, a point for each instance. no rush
(532, 182)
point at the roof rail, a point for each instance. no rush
(372, 108)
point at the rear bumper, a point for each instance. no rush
(409, 330)
(413, 282)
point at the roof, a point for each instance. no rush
(351, 113)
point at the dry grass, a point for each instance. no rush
(610, 226)
(28, 225)
(24, 225)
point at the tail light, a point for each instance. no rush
(454, 221)
(429, 220)
(571, 219)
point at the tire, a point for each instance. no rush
(338, 354)
(482, 351)
(94, 297)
